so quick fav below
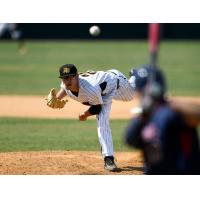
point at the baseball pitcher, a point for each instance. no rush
(95, 89)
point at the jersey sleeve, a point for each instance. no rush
(62, 85)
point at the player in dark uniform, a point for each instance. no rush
(169, 144)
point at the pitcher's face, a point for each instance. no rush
(71, 83)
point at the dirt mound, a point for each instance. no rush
(67, 163)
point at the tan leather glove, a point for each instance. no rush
(54, 102)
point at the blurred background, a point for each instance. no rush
(32, 54)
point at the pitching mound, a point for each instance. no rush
(67, 163)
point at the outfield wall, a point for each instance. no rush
(109, 31)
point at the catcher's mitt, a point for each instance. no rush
(54, 102)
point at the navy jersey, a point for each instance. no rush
(168, 144)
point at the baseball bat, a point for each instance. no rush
(154, 38)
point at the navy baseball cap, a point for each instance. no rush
(67, 70)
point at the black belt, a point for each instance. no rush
(117, 78)
(117, 84)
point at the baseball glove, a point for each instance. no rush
(54, 102)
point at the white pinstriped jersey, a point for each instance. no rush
(117, 87)
(100, 88)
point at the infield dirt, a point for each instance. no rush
(67, 163)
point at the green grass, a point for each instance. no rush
(19, 134)
(37, 71)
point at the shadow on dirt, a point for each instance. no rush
(130, 168)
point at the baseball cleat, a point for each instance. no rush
(109, 163)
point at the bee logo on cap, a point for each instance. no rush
(66, 70)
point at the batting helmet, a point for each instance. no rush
(151, 77)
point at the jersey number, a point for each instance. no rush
(88, 73)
